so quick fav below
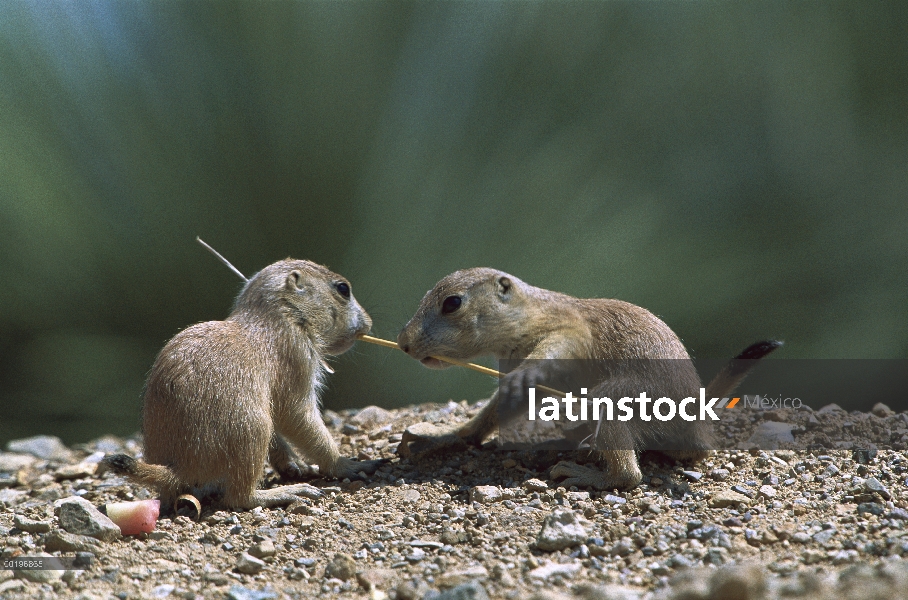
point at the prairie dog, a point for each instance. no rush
(225, 396)
(482, 311)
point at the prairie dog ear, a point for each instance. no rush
(294, 280)
(504, 286)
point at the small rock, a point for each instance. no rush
(342, 567)
(467, 591)
(871, 508)
(719, 474)
(767, 492)
(612, 499)
(872, 484)
(59, 540)
(508, 463)
(371, 417)
(11, 462)
(823, 537)
(561, 529)
(78, 515)
(263, 549)
(162, 591)
(410, 496)
(577, 496)
(550, 568)
(535, 485)
(30, 526)
(39, 575)
(426, 544)
(725, 499)
(769, 434)
(623, 547)
(830, 408)
(801, 537)
(740, 489)
(416, 555)
(881, 410)
(679, 561)
(693, 475)
(238, 592)
(898, 513)
(460, 577)
(487, 494)
(863, 456)
(83, 469)
(717, 555)
(249, 565)
(47, 447)
(373, 579)
(738, 583)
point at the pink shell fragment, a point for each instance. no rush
(135, 517)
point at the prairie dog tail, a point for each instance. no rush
(733, 373)
(157, 477)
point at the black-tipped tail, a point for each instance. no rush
(121, 464)
(737, 368)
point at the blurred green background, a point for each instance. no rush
(739, 169)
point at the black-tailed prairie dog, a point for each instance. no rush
(225, 396)
(482, 311)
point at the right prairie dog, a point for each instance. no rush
(223, 395)
(482, 311)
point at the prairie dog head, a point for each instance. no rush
(308, 297)
(467, 314)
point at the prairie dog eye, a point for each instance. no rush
(343, 289)
(451, 304)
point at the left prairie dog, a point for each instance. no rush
(223, 395)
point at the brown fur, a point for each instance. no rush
(223, 395)
(510, 319)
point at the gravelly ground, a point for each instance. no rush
(826, 522)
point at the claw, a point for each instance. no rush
(579, 476)
(425, 439)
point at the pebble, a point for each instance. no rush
(264, 549)
(767, 491)
(871, 508)
(83, 469)
(740, 489)
(725, 499)
(562, 529)
(881, 410)
(535, 485)
(342, 567)
(693, 475)
(472, 590)
(416, 555)
(26, 524)
(11, 462)
(550, 568)
(47, 447)
(238, 592)
(462, 576)
(487, 494)
(78, 515)
(371, 417)
(872, 484)
(823, 537)
(611, 499)
(719, 474)
(249, 565)
(426, 544)
(59, 540)
(769, 434)
(39, 575)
